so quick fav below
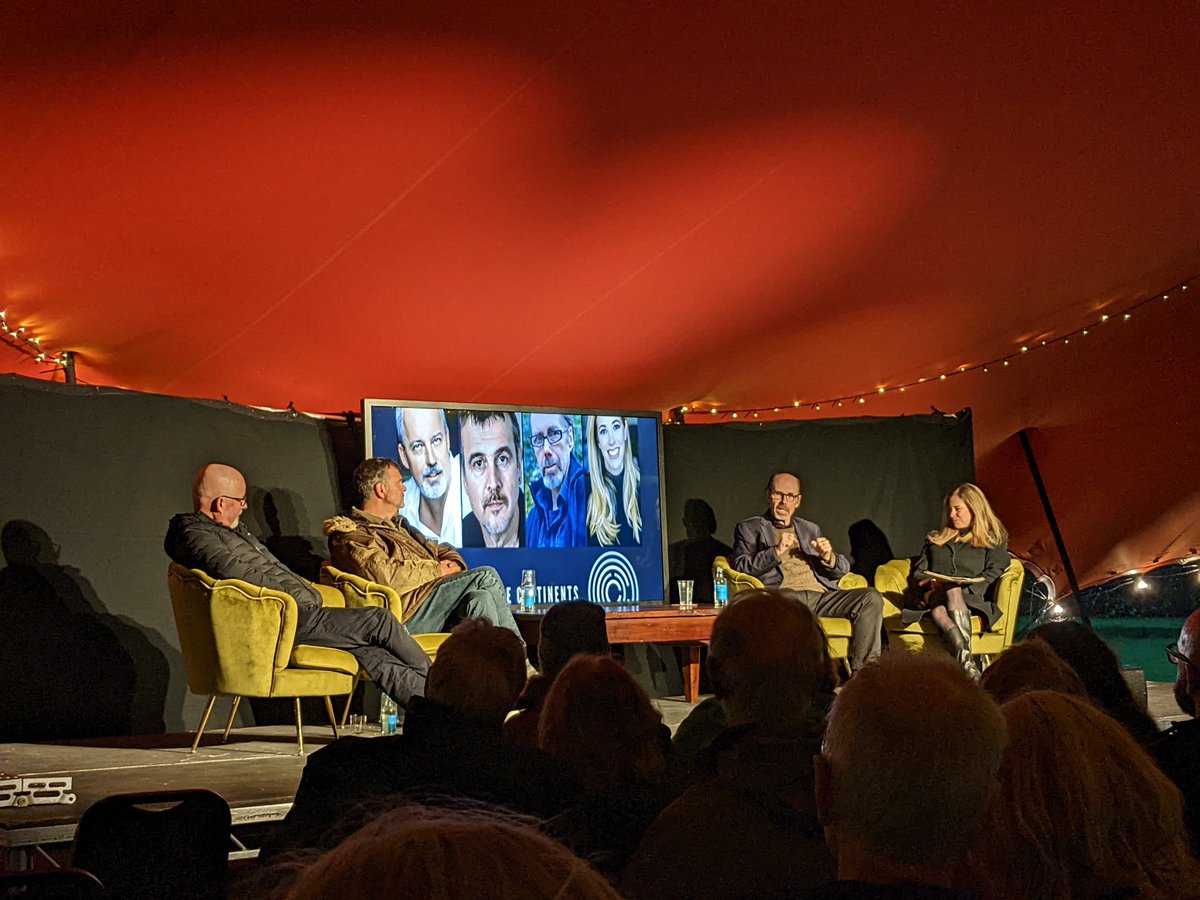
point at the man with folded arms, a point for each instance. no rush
(436, 588)
(214, 540)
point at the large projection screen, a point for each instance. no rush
(575, 495)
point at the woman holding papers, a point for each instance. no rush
(958, 563)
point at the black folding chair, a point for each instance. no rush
(166, 844)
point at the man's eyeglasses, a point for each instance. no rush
(553, 435)
(240, 501)
(1176, 657)
(780, 495)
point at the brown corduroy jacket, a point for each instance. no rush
(388, 552)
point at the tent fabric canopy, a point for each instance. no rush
(630, 205)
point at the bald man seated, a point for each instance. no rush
(214, 540)
(783, 550)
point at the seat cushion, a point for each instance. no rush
(306, 656)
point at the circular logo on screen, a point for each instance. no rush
(612, 580)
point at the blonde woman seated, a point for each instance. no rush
(613, 517)
(956, 567)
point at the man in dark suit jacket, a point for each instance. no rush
(782, 550)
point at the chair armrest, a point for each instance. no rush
(851, 581)
(1007, 597)
(359, 592)
(891, 580)
(252, 623)
(330, 595)
(741, 581)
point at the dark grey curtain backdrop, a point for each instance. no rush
(856, 473)
(91, 476)
(88, 646)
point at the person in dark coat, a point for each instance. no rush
(214, 540)
(749, 828)
(451, 745)
(955, 568)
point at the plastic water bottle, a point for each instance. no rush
(720, 587)
(389, 715)
(528, 590)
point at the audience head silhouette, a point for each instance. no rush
(479, 671)
(908, 766)
(1100, 671)
(769, 660)
(1029, 666)
(449, 854)
(599, 721)
(1085, 812)
(576, 626)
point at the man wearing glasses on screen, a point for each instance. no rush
(1177, 750)
(560, 493)
(783, 550)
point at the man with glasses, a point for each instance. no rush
(783, 550)
(214, 540)
(560, 495)
(1178, 749)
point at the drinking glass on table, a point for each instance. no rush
(685, 586)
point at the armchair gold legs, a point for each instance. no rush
(299, 721)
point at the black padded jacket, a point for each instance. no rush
(196, 541)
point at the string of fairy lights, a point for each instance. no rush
(679, 415)
(19, 338)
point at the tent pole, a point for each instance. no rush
(1023, 434)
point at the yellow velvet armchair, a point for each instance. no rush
(359, 592)
(891, 580)
(238, 640)
(837, 631)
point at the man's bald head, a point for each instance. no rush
(1187, 680)
(769, 658)
(219, 492)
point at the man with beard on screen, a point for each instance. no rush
(433, 502)
(560, 495)
(492, 476)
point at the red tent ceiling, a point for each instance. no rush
(633, 205)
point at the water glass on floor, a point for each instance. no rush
(358, 723)
(685, 592)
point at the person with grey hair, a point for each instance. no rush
(771, 670)
(558, 517)
(436, 587)
(433, 503)
(906, 775)
(451, 745)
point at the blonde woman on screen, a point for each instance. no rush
(613, 517)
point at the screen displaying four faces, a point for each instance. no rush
(573, 495)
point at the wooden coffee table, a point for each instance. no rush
(648, 623)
